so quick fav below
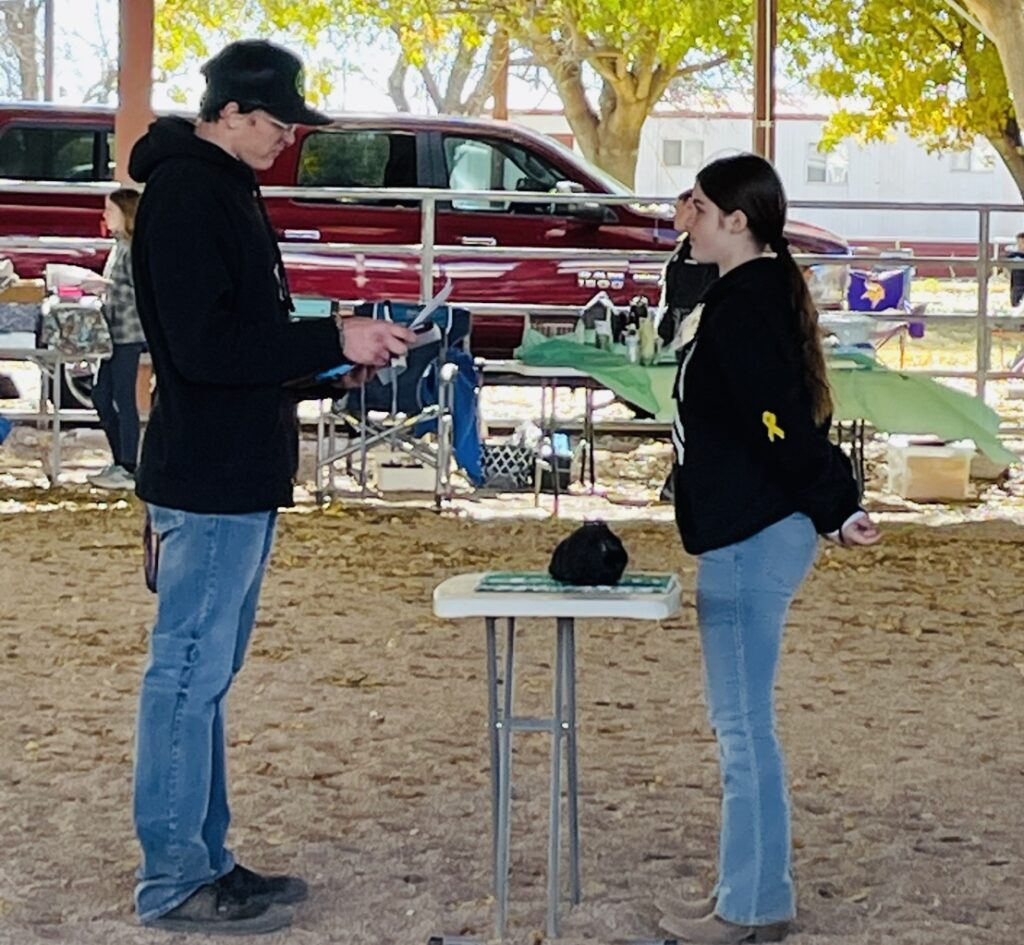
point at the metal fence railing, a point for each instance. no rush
(431, 202)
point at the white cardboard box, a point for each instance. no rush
(929, 472)
(406, 478)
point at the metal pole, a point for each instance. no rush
(134, 79)
(427, 237)
(984, 333)
(765, 39)
(48, 39)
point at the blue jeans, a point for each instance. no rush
(743, 594)
(208, 586)
(113, 396)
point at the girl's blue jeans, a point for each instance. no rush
(208, 585)
(743, 594)
(113, 396)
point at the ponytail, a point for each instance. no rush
(749, 183)
(811, 352)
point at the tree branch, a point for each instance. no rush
(396, 83)
(684, 71)
(458, 75)
(497, 59)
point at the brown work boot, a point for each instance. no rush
(673, 908)
(210, 910)
(714, 930)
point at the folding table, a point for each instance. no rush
(492, 595)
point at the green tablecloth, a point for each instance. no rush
(890, 401)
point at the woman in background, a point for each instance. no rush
(684, 280)
(113, 394)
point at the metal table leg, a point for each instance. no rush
(555, 815)
(567, 631)
(492, 733)
(501, 853)
(58, 374)
(588, 436)
(561, 726)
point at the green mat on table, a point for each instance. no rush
(863, 389)
(542, 583)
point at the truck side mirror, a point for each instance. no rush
(584, 211)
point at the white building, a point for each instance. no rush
(675, 144)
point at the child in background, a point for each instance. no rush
(113, 395)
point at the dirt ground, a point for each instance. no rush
(359, 747)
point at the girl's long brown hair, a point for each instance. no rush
(127, 201)
(749, 183)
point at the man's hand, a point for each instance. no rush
(357, 377)
(861, 531)
(373, 342)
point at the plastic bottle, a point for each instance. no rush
(648, 336)
(632, 345)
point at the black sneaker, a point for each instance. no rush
(245, 884)
(210, 910)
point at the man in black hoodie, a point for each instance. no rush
(218, 460)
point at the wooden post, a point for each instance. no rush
(766, 25)
(135, 80)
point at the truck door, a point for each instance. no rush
(473, 162)
(53, 151)
(352, 157)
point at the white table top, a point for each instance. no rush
(458, 597)
(515, 366)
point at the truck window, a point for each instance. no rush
(339, 158)
(41, 152)
(492, 164)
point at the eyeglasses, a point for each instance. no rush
(279, 125)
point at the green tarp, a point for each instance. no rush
(891, 401)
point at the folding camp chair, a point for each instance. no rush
(399, 408)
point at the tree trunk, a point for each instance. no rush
(610, 137)
(1008, 147)
(20, 20)
(618, 136)
(1004, 22)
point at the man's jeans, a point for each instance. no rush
(211, 567)
(743, 594)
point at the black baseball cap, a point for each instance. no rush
(258, 74)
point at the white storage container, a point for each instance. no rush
(929, 472)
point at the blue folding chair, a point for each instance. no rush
(432, 390)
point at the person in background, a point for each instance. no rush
(684, 279)
(219, 459)
(1017, 275)
(682, 285)
(757, 481)
(113, 394)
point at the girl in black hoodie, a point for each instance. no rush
(757, 481)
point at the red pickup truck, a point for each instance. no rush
(391, 153)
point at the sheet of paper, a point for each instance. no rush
(432, 306)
